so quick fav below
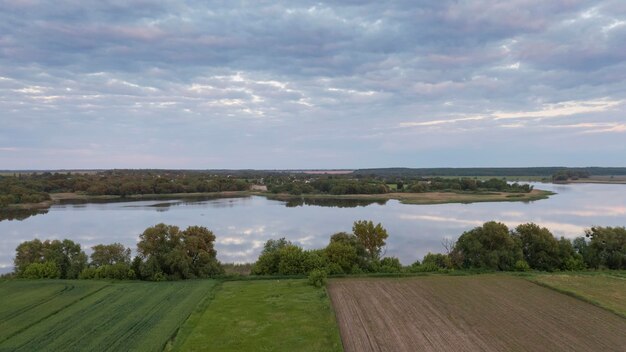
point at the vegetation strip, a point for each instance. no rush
(277, 315)
(601, 289)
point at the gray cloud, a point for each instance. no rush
(295, 84)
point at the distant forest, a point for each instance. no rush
(490, 171)
(30, 187)
(395, 172)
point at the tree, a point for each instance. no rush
(68, 257)
(607, 247)
(198, 243)
(371, 237)
(167, 252)
(109, 254)
(487, 247)
(291, 260)
(343, 255)
(540, 248)
(268, 261)
(28, 252)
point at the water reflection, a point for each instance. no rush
(333, 203)
(242, 225)
(19, 214)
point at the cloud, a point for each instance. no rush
(562, 109)
(300, 85)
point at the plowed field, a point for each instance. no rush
(474, 313)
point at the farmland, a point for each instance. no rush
(95, 315)
(487, 313)
(265, 315)
(607, 291)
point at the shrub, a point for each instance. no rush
(317, 278)
(427, 267)
(521, 265)
(441, 261)
(390, 265)
(47, 270)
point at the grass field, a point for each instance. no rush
(265, 315)
(606, 291)
(469, 313)
(60, 315)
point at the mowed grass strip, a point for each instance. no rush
(265, 315)
(603, 290)
(131, 316)
(469, 313)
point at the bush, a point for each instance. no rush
(317, 278)
(439, 260)
(342, 255)
(574, 264)
(426, 267)
(47, 270)
(390, 265)
(521, 265)
(313, 260)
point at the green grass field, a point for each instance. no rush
(606, 291)
(264, 315)
(60, 315)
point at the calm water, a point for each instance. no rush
(242, 225)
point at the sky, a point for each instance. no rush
(306, 85)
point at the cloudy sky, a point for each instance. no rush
(346, 84)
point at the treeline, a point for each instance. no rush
(463, 184)
(164, 253)
(341, 185)
(17, 190)
(571, 174)
(492, 246)
(331, 185)
(483, 171)
(35, 188)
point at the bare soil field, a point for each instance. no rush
(471, 313)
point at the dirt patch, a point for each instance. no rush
(478, 313)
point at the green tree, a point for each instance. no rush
(343, 255)
(198, 247)
(539, 246)
(607, 247)
(109, 254)
(489, 246)
(167, 252)
(291, 260)
(371, 236)
(67, 255)
(268, 261)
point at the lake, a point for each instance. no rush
(242, 225)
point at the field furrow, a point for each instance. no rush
(478, 313)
